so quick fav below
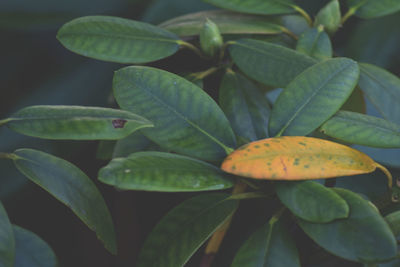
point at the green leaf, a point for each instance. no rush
(31, 250)
(228, 23)
(72, 187)
(264, 7)
(329, 17)
(184, 229)
(132, 143)
(7, 241)
(363, 237)
(270, 245)
(186, 119)
(313, 96)
(117, 40)
(152, 171)
(361, 129)
(245, 106)
(76, 122)
(367, 9)
(382, 88)
(268, 63)
(393, 220)
(315, 43)
(312, 201)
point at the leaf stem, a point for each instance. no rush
(346, 16)
(216, 239)
(304, 14)
(191, 47)
(5, 121)
(8, 156)
(387, 173)
(289, 33)
(202, 74)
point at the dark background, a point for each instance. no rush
(37, 69)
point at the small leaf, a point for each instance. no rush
(382, 88)
(245, 106)
(268, 63)
(117, 40)
(182, 231)
(186, 119)
(312, 201)
(228, 23)
(363, 237)
(368, 9)
(296, 158)
(31, 250)
(313, 97)
(7, 241)
(72, 187)
(329, 17)
(264, 7)
(315, 43)
(362, 129)
(270, 245)
(393, 220)
(76, 122)
(152, 171)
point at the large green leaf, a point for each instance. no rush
(372, 8)
(72, 187)
(361, 129)
(264, 7)
(228, 23)
(315, 43)
(363, 237)
(268, 63)
(186, 119)
(313, 96)
(182, 231)
(75, 122)
(382, 88)
(31, 250)
(117, 40)
(329, 17)
(245, 106)
(160, 171)
(7, 241)
(312, 201)
(271, 245)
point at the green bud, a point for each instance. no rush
(329, 17)
(210, 38)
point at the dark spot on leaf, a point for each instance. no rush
(306, 166)
(233, 167)
(273, 176)
(118, 123)
(257, 146)
(248, 150)
(266, 144)
(296, 161)
(269, 163)
(303, 144)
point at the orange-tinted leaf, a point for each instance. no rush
(296, 158)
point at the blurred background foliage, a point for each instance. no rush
(37, 69)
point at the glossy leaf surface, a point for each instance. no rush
(363, 237)
(117, 40)
(313, 97)
(72, 187)
(268, 63)
(315, 43)
(372, 9)
(361, 129)
(270, 245)
(312, 201)
(159, 171)
(7, 240)
(31, 250)
(296, 158)
(228, 23)
(186, 119)
(264, 7)
(182, 231)
(245, 106)
(329, 17)
(382, 88)
(76, 122)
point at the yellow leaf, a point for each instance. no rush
(298, 158)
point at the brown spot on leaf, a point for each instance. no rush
(118, 123)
